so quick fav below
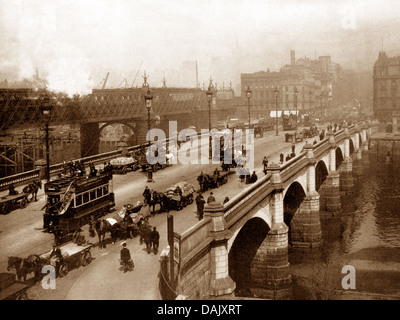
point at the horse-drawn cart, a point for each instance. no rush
(122, 165)
(179, 195)
(73, 256)
(12, 202)
(214, 179)
(11, 289)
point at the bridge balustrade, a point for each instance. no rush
(27, 176)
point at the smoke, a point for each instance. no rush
(39, 41)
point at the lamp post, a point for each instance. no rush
(248, 95)
(309, 115)
(295, 102)
(46, 112)
(209, 99)
(276, 91)
(148, 97)
(320, 107)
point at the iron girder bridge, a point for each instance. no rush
(21, 108)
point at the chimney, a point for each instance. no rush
(292, 58)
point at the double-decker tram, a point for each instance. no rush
(73, 201)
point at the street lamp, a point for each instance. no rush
(320, 107)
(209, 99)
(148, 97)
(46, 112)
(309, 115)
(276, 91)
(295, 102)
(248, 95)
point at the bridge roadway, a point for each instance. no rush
(21, 234)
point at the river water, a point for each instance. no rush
(364, 234)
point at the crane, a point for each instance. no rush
(105, 81)
(136, 74)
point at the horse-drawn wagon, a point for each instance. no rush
(179, 195)
(72, 256)
(12, 289)
(214, 179)
(122, 165)
(11, 202)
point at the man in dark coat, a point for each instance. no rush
(265, 165)
(253, 177)
(147, 238)
(210, 198)
(155, 239)
(200, 205)
(126, 259)
(147, 195)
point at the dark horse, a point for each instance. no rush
(32, 189)
(25, 266)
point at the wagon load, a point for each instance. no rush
(123, 164)
(180, 194)
(128, 209)
(122, 161)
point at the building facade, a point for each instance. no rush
(314, 80)
(386, 87)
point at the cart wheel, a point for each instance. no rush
(23, 203)
(86, 258)
(22, 296)
(7, 208)
(63, 271)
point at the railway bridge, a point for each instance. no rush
(244, 243)
(21, 109)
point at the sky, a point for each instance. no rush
(75, 43)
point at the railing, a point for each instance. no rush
(27, 176)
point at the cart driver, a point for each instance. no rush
(11, 190)
(55, 256)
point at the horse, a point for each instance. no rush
(32, 189)
(25, 266)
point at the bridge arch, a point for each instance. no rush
(121, 131)
(291, 205)
(351, 146)
(243, 251)
(339, 157)
(321, 172)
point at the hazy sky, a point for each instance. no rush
(74, 43)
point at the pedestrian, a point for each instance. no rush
(253, 177)
(200, 205)
(210, 198)
(147, 195)
(201, 180)
(126, 259)
(97, 226)
(147, 238)
(287, 157)
(265, 165)
(155, 239)
(293, 148)
(281, 158)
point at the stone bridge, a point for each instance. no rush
(244, 243)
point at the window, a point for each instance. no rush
(86, 197)
(105, 190)
(93, 195)
(78, 200)
(99, 192)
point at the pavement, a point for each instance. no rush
(21, 234)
